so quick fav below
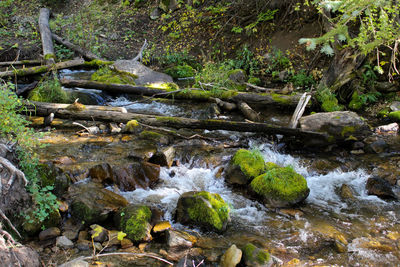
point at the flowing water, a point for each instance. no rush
(325, 230)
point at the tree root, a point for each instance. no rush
(14, 172)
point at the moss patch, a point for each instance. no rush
(134, 221)
(281, 184)
(394, 116)
(253, 254)
(49, 90)
(98, 63)
(348, 130)
(251, 163)
(107, 75)
(356, 102)
(180, 71)
(216, 214)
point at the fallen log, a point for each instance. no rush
(21, 62)
(45, 34)
(174, 122)
(47, 108)
(86, 54)
(198, 94)
(248, 112)
(43, 69)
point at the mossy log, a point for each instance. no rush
(248, 112)
(43, 69)
(47, 108)
(21, 62)
(45, 34)
(86, 54)
(198, 95)
(173, 122)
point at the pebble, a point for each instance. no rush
(64, 242)
(49, 233)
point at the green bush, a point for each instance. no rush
(49, 90)
(180, 71)
(328, 100)
(301, 79)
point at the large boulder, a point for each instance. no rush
(280, 187)
(338, 124)
(244, 166)
(17, 255)
(145, 74)
(203, 209)
(92, 203)
(134, 220)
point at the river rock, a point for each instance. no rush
(64, 242)
(49, 233)
(280, 187)
(378, 146)
(203, 209)
(256, 257)
(179, 240)
(381, 188)
(93, 203)
(136, 175)
(338, 124)
(134, 221)
(18, 255)
(164, 157)
(232, 257)
(346, 192)
(75, 263)
(98, 233)
(102, 173)
(145, 74)
(244, 166)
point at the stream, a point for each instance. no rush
(325, 230)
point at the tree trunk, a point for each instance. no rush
(248, 112)
(250, 98)
(43, 69)
(47, 108)
(173, 122)
(45, 33)
(86, 54)
(22, 62)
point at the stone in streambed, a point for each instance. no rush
(134, 221)
(64, 242)
(381, 188)
(232, 257)
(49, 233)
(256, 257)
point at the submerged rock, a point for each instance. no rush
(203, 209)
(338, 124)
(280, 187)
(134, 220)
(256, 257)
(92, 203)
(244, 166)
(381, 188)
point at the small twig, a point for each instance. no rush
(128, 254)
(10, 223)
(263, 89)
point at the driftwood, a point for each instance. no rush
(227, 106)
(86, 54)
(47, 108)
(301, 106)
(248, 112)
(249, 98)
(21, 62)
(139, 56)
(174, 122)
(43, 69)
(45, 34)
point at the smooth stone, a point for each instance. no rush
(64, 242)
(71, 234)
(179, 239)
(161, 226)
(49, 233)
(83, 245)
(232, 257)
(75, 263)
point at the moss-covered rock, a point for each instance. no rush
(154, 137)
(356, 102)
(244, 166)
(108, 75)
(203, 209)
(254, 80)
(253, 256)
(134, 220)
(180, 71)
(32, 225)
(394, 116)
(133, 126)
(49, 90)
(280, 187)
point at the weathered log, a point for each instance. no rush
(301, 106)
(248, 112)
(21, 89)
(44, 68)
(21, 62)
(199, 95)
(177, 122)
(86, 54)
(47, 108)
(45, 33)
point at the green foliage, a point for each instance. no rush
(251, 163)
(180, 71)
(328, 100)
(244, 60)
(63, 52)
(278, 61)
(301, 79)
(261, 17)
(14, 128)
(49, 90)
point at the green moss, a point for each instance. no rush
(150, 135)
(169, 119)
(394, 116)
(134, 221)
(253, 254)
(251, 163)
(47, 174)
(49, 90)
(107, 75)
(348, 130)
(281, 99)
(98, 63)
(132, 124)
(216, 214)
(49, 56)
(356, 102)
(270, 166)
(383, 113)
(328, 100)
(164, 86)
(83, 212)
(180, 71)
(254, 80)
(280, 183)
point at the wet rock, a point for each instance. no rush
(280, 187)
(232, 257)
(102, 173)
(388, 171)
(203, 209)
(346, 192)
(134, 220)
(136, 175)
(49, 233)
(244, 166)
(179, 240)
(83, 245)
(126, 243)
(379, 146)
(18, 256)
(93, 203)
(145, 74)
(381, 188)
(75, 263)
(161, 227)
(154, 138)
(83, 235)
(323, 166)
(340, 243)
(164, 157)
(64, 242)
(98, 233)
(256, 257)
(338, 124)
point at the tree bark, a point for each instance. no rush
(173, 122)
(44, 68)
(47, 108)
(250, 98)
(86, 54)
(22, 62)
(248, 112)
(45, 33)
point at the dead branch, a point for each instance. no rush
(45, 34)
(140, 54)
(13, 172)
(150, 255)
(9, 223)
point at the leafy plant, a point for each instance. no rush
(63, 52)
(301, 79)
(261, 17)
(49, 90)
